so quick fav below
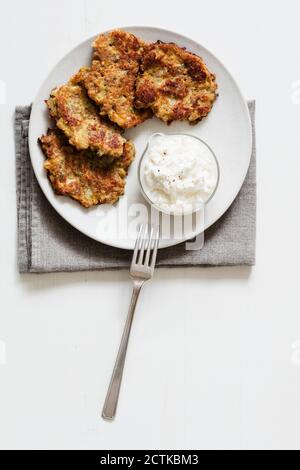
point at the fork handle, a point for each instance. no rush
(112, 397)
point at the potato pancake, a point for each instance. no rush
(82, 176)
(175, 84)
(111, 80)
(78, 117)
(118, 46)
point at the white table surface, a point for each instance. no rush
(214, 357)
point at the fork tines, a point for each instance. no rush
(146, 246)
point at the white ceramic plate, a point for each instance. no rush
(227, 130)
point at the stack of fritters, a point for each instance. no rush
(87, 158)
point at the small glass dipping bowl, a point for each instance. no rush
(163, 208)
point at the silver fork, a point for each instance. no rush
(142, 268)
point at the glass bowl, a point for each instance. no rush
(140, 179)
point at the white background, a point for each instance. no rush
(213, 360)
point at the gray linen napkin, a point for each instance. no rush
(47, 243)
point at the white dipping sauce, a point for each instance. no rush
(178, 173)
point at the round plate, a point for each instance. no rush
(227, 130)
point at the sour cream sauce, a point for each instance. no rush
(179, 173)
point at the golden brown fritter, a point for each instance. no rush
(175, 84)
(118, 46)
(111, 79)
(78, 117)
(82, 176)
(112, 88)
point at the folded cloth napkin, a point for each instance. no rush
(47, 243)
